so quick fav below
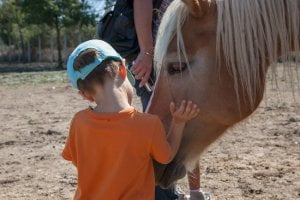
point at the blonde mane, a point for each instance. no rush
(171, 24)
(247, 32)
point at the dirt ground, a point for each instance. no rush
(254, 161)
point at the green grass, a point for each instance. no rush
(33, 78)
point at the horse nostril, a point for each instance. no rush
(176, 67)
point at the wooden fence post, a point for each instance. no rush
(19, 52)
(40, 48)
(65, 46)
(28, 52)
(9, 50)
(51, 49)
(1, 50)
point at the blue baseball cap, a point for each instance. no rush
(104, 50)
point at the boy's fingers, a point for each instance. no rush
(182, 107)
(172, 107)
(188, 108)
(195, 108)
(195, 112)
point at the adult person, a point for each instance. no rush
(143, 65)
(146, 30)
(194, 185)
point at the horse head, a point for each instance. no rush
(204, 53)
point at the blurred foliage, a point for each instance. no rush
(24, 20)
(65, 13)
(108, 5)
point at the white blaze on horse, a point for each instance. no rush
(217, 53)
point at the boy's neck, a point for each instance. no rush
(113, 100)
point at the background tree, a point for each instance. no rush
(108, 5)
(57, 14)
(10, 15)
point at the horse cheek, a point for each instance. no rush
(160, 102)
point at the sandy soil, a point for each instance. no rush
(258, 160)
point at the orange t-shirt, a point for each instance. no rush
(113, 154)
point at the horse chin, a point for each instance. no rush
(166, 175)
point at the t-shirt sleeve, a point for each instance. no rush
(160, 150)
(68, 152)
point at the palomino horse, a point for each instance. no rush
(216, 53)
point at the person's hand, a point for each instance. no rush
(142, 67)
(185, 112)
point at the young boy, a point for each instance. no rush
(112, 145)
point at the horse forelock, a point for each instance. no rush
(247, 31)
(170, 25)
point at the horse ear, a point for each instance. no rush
(197, 7)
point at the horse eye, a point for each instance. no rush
(176, 67)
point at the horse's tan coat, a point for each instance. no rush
(225, 91)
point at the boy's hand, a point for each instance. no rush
(185, 112)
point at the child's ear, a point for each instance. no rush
(122, 69)
(86, 96)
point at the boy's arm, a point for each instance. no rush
(164, 148)
(174, 137)
(184, 113)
